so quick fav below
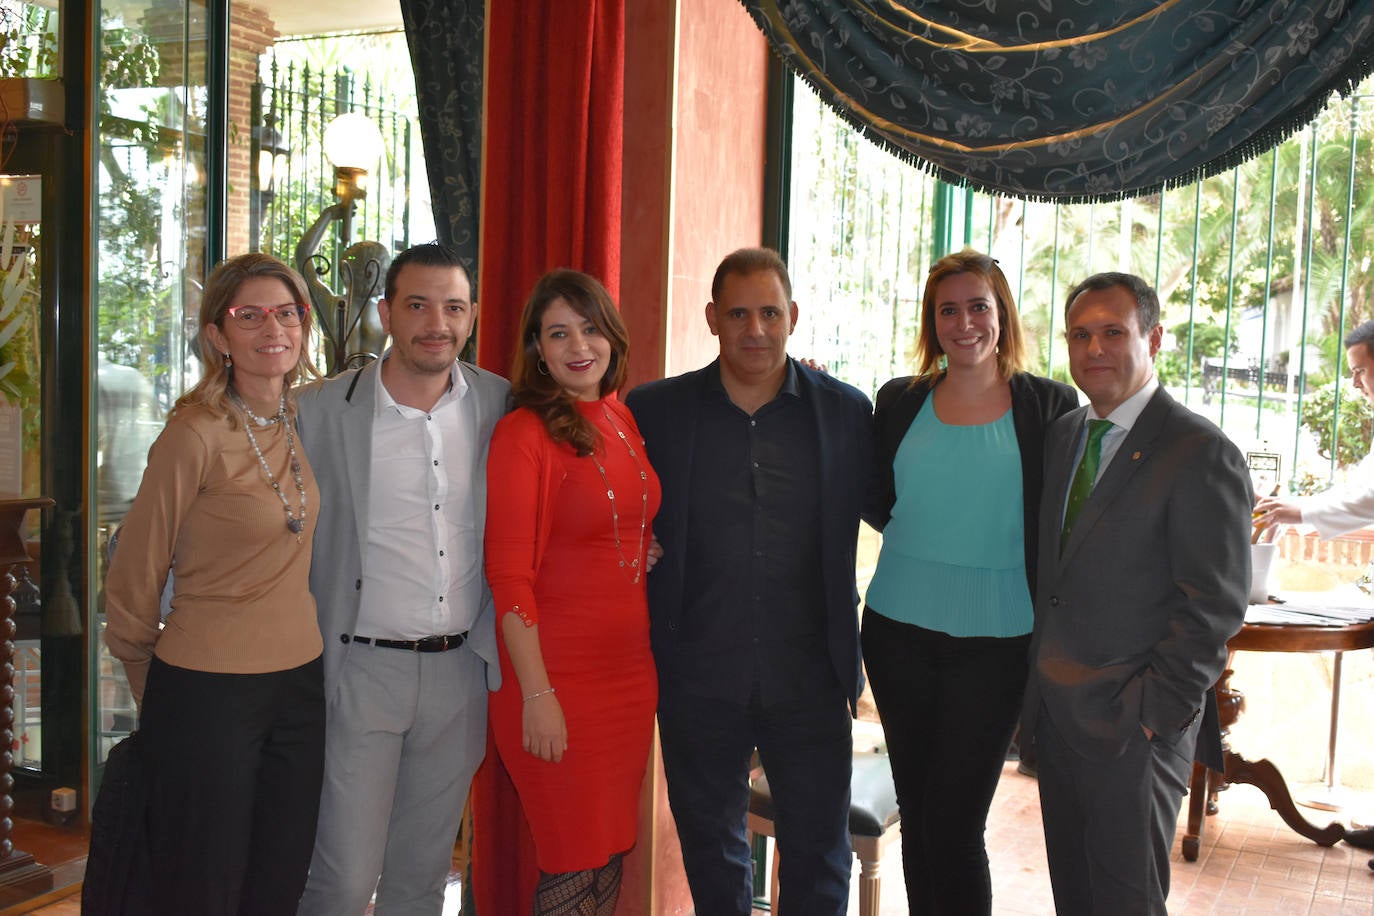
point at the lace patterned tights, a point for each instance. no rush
(592, 892)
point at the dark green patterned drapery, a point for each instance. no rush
(1068, 100)
(445, 39)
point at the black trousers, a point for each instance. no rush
(235, 762)
(806, 747)
(948, 705)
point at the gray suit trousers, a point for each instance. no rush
(404, 733)
(1110, 823)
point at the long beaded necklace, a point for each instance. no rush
(634, 564)
(295, 524)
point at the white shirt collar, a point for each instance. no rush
(457, 387)
(1128, 411)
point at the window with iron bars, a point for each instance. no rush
(293, 179)
(1261, 271)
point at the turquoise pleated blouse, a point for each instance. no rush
(953, 556)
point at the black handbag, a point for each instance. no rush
(118, 866)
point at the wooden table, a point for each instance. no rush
(1204, 785)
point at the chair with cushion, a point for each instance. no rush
(874, 822)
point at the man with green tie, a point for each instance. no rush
(1144, 570)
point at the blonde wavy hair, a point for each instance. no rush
(224, 283)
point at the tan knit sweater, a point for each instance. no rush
(242, 601)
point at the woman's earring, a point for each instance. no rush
(542, 366)
(228, 363)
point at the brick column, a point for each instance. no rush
(251, 32)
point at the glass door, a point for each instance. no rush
(150, 232)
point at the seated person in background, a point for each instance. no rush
(1339, 509)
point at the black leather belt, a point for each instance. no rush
(428, 644)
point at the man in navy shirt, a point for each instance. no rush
(764, 465)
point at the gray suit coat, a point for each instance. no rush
(1132, 617)
(335, 421)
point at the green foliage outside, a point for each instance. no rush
(28, 48)
(1350, 437)
(28, 40)
(136, 302)
(1284, 237)
(1207, 342)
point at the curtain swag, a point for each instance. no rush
(1062, 100)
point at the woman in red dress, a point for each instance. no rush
(570, 499)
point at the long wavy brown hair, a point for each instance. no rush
(537, 390)
(1011, 348)
(212, 391)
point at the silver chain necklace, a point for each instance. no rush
(643, 500)
(295, 524)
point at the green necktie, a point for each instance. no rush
(1084, 477)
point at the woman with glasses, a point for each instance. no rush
(230, 684)
(948, 617)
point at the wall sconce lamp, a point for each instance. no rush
(353, 144)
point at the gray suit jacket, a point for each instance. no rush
(1132, 617)
(335, 420)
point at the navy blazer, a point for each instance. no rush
(667, 413)
(1035, 403)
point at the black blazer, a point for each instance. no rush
(1035, 403)
(667, 413)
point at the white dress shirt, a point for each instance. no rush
(1343, 508)
(1122, 419)
(422, 575)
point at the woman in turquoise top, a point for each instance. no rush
(948, 616)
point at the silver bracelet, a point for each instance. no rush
(539, 693)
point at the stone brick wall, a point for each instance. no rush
(251, 32)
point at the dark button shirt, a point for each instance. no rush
(753, 610)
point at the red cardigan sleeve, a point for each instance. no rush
(524, 474)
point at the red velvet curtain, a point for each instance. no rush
(554, 136)
(551, 198)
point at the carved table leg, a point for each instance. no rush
(1197, 804)
(1203, 785)
(1261, 773)
(1266, 776)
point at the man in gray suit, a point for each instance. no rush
(1144, 571)
(400, 452)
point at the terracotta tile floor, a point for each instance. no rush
(1250, 863)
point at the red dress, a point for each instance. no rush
(551, 557)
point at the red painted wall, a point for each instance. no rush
(718, 169)
(695, 113)
(695, 108)
(646, 190)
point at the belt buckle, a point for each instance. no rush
(432, 644)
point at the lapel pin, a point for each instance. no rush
(1136, 456)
